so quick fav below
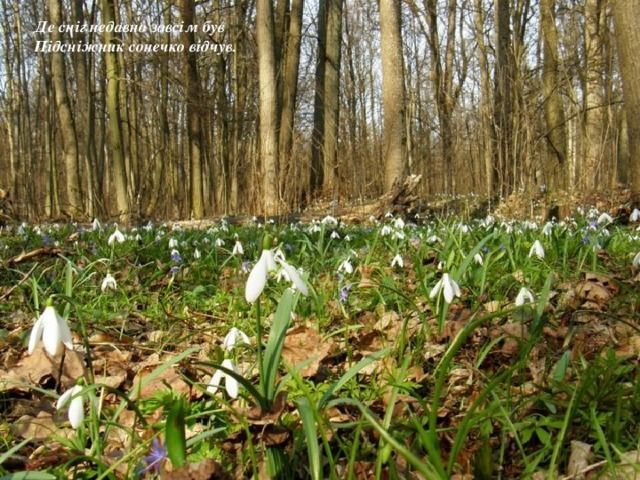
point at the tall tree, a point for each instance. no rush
(268, 106)
(289, 82)
(65, 116)
(393, 94)
(193, 99)
(115, 137)
(594, 109)
(324, 146)
(503, 101)
(555, 127)
(625, 15)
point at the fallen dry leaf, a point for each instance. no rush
(302, 344)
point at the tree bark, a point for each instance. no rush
(268, 106)
(553, 108)
(290, 84)
(393, 94)
(65, 116)
(594, 134)
(112, 100)
(193, 100)
(625, 15)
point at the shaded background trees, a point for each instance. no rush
(296, 100)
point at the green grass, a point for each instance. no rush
(409, 383)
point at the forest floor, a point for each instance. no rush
(471, 342)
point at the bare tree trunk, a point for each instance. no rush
(626, 14)
(317, 140)
(503, 102)
(112, 100)
(268, 106)
(65, 115)
(194, 98)
(553, 108)
(332, 95)
(393, 94)
(594, 121)
(290, 84)
(485, 98)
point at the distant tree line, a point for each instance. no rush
(178, 108)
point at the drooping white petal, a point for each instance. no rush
(448, 286)
(537, 250)
(36, 334)
(232, 337)
(636, 260)
(435, 290)
(214, 384)
(76, 408)
(65, 397)
(65, 333)
(51, 332)
(397, 260)
(524, 296)
(231, 383)
(109, 283)
(295, 278)
(257, 280)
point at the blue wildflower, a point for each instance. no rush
(174, 270)
(157, 455)
(344, 293)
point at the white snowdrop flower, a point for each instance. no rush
(636, 260)
(230, 383)
(75, 399)
(478, 258)
(347, 238)
(449, 288)
(260, 273)
(52, 329)
(315, 228)
(386, 230)
(604, 219)
(398, 235)
(109, 283)
(397, 261)
(537, 250)
(173, 243)
(335, 235)
(547, 229)
(440, 265)
(524, 296)
(197, 254)
(329, 220)
(398, 223)
(635, 215)
(138, 237)
(233, 337)
(237, 248)
(346, 267)
(434, 239)
(219, 242)
(464, 228)
(116, 236)
(388, 215)
(95, 225)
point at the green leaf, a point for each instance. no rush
(311, 435)
(352, 372)
(275, 342)
(175, 437)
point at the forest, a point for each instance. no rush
(185, 109)
(322, 239)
